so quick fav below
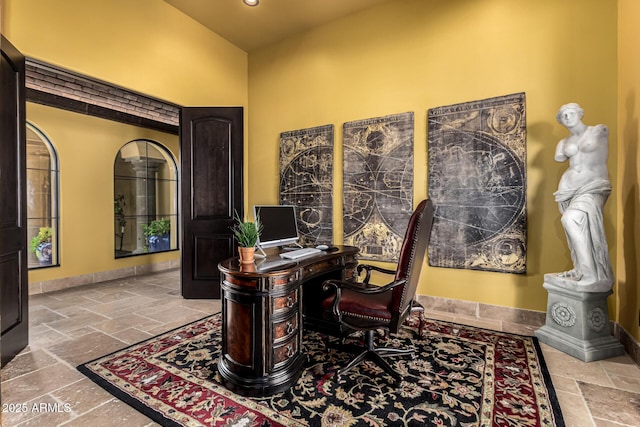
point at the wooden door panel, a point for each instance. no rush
(10, 273)
(14, 295)
(212, 177)
(206, 249)
(211, 155)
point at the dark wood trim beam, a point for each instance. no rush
(60, 88)
(57, 101)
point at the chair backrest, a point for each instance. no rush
(412, 254)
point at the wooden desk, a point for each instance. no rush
(263, 313)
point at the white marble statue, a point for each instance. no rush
(581, 196)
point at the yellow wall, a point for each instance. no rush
(144, 45)
(412, 55)
(87, 148)
(628, 218)
(404, 55)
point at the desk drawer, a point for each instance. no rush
(285, 303)
(285, 328)
(286, 351)
(284, 279)
(321, 267)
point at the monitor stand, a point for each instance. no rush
(291, 248)
(260, 253)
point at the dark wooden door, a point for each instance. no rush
(211, 157)
(14, 293)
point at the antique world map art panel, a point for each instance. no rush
(378, 184)
(306, 181)
(477, 182)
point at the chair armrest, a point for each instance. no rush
(368, 268)
(357, 286)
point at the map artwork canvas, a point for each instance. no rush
(378, 184)
(306, 173)
(477, 182)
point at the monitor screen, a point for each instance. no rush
(279, 226)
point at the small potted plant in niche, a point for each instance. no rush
(246, 233)
(40, 244)
(156, 235)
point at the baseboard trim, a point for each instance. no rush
(631, 346)
(529, 319)
(102, 276)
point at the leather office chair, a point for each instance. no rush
(365, 307)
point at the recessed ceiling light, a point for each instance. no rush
(251, 2)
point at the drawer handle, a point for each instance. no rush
(289, 327)
(290, 351)
(289, 302)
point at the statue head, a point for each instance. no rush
(572, 106)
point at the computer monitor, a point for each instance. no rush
(279, 225)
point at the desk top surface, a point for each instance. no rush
(273, 264)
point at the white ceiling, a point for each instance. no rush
(250, 28)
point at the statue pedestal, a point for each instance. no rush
(578, 324)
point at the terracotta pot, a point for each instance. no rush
(247, 255)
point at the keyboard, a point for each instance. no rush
(300, 253)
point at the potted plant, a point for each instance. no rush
(40, 244)
(156, 235)
(246, 233)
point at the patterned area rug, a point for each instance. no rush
(462, 376)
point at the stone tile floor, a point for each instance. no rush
(79, 324)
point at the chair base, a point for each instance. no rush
(377, 356)
(416, 307)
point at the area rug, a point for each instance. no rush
(462, 376)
